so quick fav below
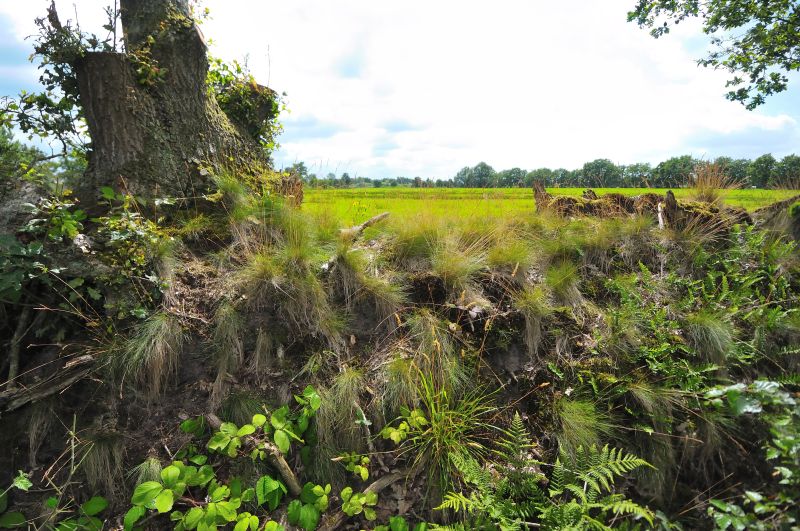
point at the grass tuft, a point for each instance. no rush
(101, 461)
(149, 358)
(711, 181)
(580, 424)
(533, 303)
(710, 335)
(147, 470)
(457, 262)
(562, 280)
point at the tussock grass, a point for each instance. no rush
(623, 332)
(240, 405)
(149, 358)
(263, 353)
(228, 348)
(400, 384)
(580, 424)
(336, 418)
(40, 421)
(711, 182)
(101, 461)
(710, 335)
(456, 426)
(414, 239)
(147, 470)
(456, 260)
(512, 253)
(436, 353)
(562, 280)
(534, 305)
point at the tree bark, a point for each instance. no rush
(160, 137)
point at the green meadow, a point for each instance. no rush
(355, 205)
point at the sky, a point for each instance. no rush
(424, 88)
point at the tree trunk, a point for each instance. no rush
(156, 130)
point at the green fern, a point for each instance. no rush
(457, 502)
(580, 496)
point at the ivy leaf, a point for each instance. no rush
(22, 482)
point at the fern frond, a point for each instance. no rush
(516, 441)
(457, 502)
(627, 507)
(790, 379)
(599, 468)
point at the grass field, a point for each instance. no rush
(355, 205)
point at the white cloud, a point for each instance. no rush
(514, 83)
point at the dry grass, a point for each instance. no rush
(711, 182)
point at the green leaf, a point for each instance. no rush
(309, 517)
(132, 516)
(220, 493)
(170, 475)
(398, 523)
(247, 429)
(273, 526)
(369, 513)
(11, 520)
(164, 501)
(108, 193)
(293, 511)
(22, 482)
(146, 492)
(269, 491)
(282, 440)
(94, 505)
(278, 418)
(228, 428)
(192, 517)
(259, 420)
(219, 442)
(346, 493)
(198, 459)
(227, 510)
(4, 502)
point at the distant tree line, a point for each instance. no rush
(764, 172)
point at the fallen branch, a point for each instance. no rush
(274, 456)
(334, 521)
(9, 401)
(355, 231)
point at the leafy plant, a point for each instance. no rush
(580, 494)
(354, 503)
(307, 511)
